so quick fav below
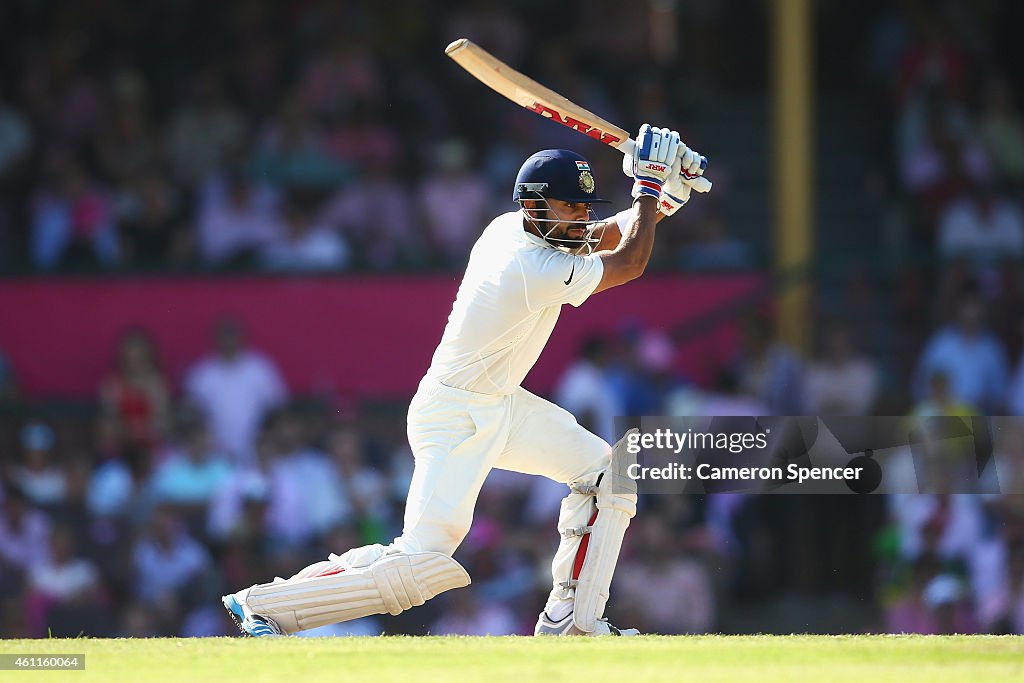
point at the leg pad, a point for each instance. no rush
(392, 584)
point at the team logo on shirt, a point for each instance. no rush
(586, 181)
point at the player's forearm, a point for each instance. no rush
(637, 240)
(611, 232)
(611, 236)
(628, 260)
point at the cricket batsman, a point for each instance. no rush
(470, 413)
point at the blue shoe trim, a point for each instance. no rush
(234, 609)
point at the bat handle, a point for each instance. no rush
(699, 184)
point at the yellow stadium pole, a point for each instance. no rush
(793, 136)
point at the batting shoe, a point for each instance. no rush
(546, 626)
(248, 623)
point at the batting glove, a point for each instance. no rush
(676, 190)
(656, 152)
(628, 162)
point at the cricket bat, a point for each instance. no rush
(530, 94)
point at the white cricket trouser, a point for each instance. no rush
(457, 436)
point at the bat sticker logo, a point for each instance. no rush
(578, 126)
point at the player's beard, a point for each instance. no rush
(567, 235)
(576, 238)
(561, 237)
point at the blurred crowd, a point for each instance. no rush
(306, 136)
(181, 488)
(323, 136)
(946, 81)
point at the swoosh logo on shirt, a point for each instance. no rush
(571, 272)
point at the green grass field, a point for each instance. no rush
(650, 658)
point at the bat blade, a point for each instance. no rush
(530, 94)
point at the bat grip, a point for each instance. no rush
(699, 184)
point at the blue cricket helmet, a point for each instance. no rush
(556, 174)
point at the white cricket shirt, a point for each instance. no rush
(507, 305)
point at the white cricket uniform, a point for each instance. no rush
(470, 413)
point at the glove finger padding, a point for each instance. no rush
(665, 145)
(687, 158)
(696, 167)
(657, 149)
(670, 143)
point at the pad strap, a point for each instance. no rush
(577, 531)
